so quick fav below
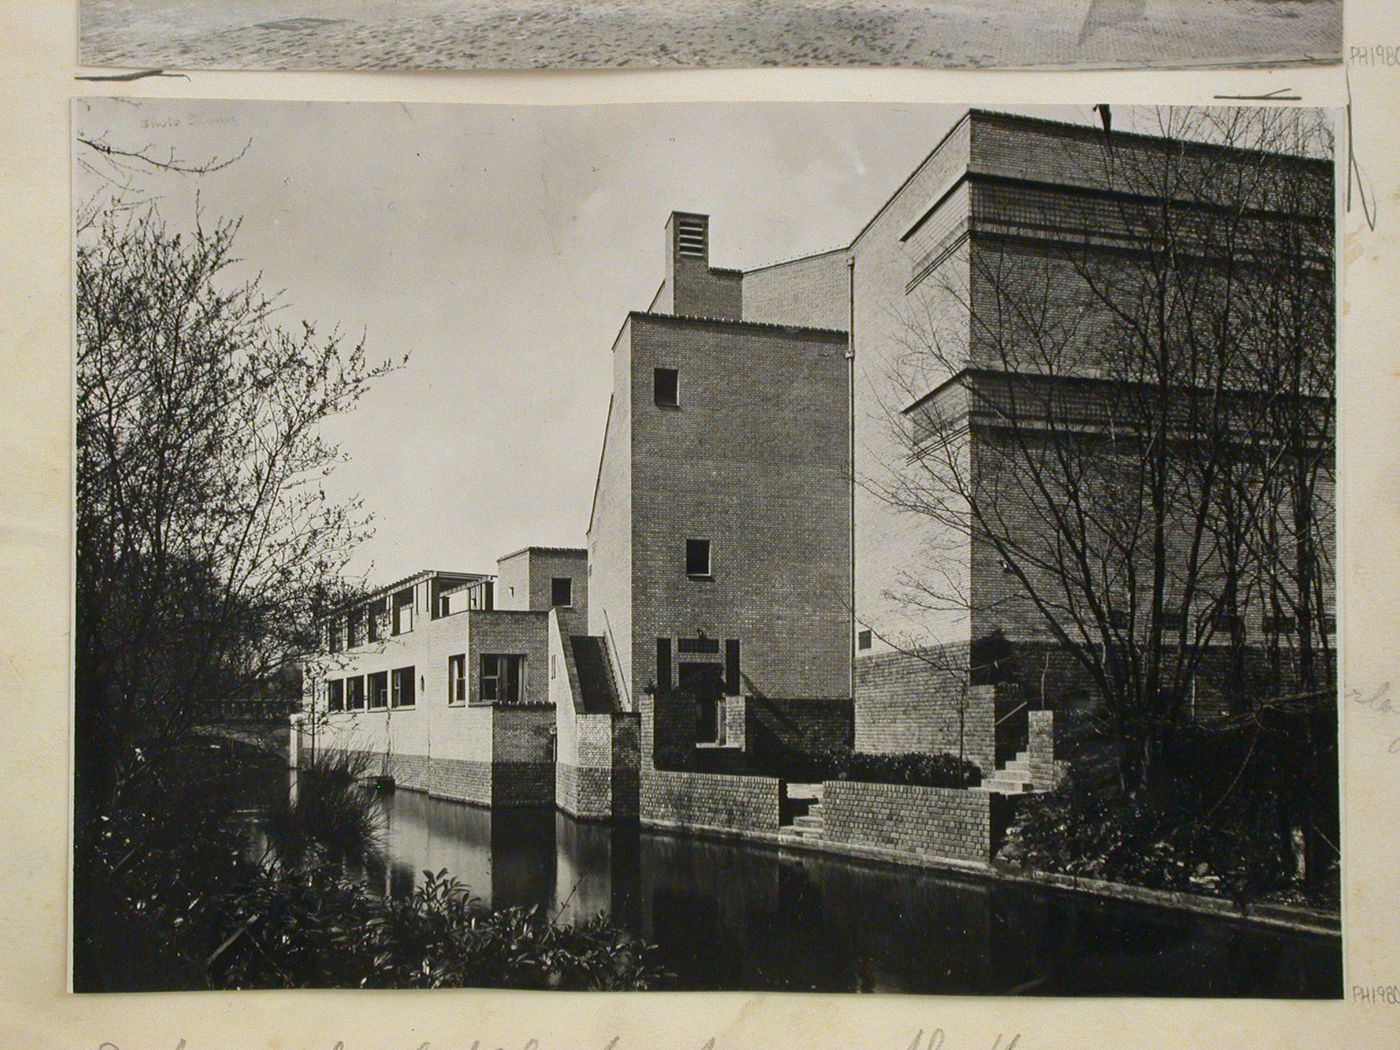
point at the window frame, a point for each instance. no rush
(675, 380)
(373, 679)
(355, 688)
(335, 695)
(554, 582)
(709, 572)
(457, 693)
(397, 677)
(501, 676)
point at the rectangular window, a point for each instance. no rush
(354, 629)
(697, 558)
(1280, 625)
(666, 387)
(402, 685)
(374, 619)
(335, 696)
(1173, 622)
(355, 693)
(403, 612)
(663, 665)
(501, 675)
(561, 591)
(863, 639)
(553, 666)
(1329, 624)
(1118, 619)
(334, 634)
(378, 690)
(457, 679)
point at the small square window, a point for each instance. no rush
(697, 557)
(863, 639)
(561, 590)
(666, 387)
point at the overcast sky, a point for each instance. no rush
(501, 248)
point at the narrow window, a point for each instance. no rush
(402, 688)
(355, 693)
(457, 679)
(561, 591)
(666, 387)
(335, 696)
(863, 639)
(1173, 622)
(697, 557)
(732, 686)
(663, 665)
(553, 666)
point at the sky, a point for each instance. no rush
(500, 248)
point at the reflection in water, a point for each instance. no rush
(743, 916)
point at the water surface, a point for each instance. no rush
(735, 915)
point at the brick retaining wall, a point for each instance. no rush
(930, 822)
(710, 801)
(905, 703)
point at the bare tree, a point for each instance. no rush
(1128, 421)
(207, 543)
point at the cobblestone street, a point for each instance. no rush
(447, 34)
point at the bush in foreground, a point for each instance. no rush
(320, 929)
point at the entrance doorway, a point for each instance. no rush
(704, 682)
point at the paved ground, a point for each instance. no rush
(310, 34)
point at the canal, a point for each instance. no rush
(740, 916)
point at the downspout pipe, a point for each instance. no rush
(851, 455)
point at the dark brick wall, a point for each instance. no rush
(924, 821)
(709, 801)
(774, 510)
(782, 731)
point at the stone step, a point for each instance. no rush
(798, 831)
(808, 821)
(1005, 786)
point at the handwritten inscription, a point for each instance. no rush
(935, 1039)
(1371, 994)
(1379, 699)
(1374, 55)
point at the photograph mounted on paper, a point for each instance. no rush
(754, 547)
(524, 34)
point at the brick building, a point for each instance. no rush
(750, 593)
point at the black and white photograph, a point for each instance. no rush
(809, 547)
(581, 34)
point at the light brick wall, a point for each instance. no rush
(924, 821)
(610, 523)
(812, 291)
(905, 703)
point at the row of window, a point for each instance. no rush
(372, 692)
(501, 680)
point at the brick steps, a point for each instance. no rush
(811, 825)
(1013, 778)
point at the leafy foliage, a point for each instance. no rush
(320, 929)
(1227, 819)
(926, 769)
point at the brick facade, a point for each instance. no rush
(905, 702)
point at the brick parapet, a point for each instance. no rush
(923, 821)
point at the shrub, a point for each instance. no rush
(925, 769)
(321, 929)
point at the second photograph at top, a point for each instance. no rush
(573, 34)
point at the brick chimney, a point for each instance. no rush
(694, 289)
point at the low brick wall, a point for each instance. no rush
(411, 771)
(583, 791)
(522, 784)
(945, 823)
(710, 801)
